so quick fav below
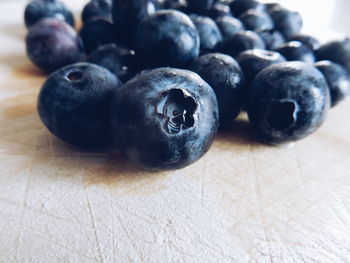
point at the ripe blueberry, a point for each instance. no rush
(289, 23)
(209, 33)
(97, 32)
(168, 38)
(52, 44)
(238, 7)
(97, 8)
(337, 78)
(242, 41)
(256, 20)
(229, 26)
(296, 50)
(288, 101)
(120, 61)
(39, 9)
(272, 38)
(74, 104)
(307, 40)
(164, 118)
(226, 78)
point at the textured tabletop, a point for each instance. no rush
(242, 202)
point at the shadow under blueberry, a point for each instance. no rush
(239, 133)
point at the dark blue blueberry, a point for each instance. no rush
(288, 101)
(336, 51)
(168, 38)
(254, 61)
(307, 40)
(242, 41)
(200, 6)
(128, 14)
(164, 118)
(97, 8)
(229, 26)
(97, 32)
(38, 9)
(337, 78)
(238, 7)
(270, 6)
(289, 23)
(74, 105)
(296, 50)
(120, 61)
(208, 31)
(219, 10)
(272, 38)
(226, 78)
(256, 20)
(52, 44)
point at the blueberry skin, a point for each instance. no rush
(238, 7)
(52, 44)
(254, 61)
(180, 5)
(272, 38)
(97, 8)
(200, 6)
(256, 20)
(229, 26)
(242, 41)
(74, 105)
(120, 61)
(165, 118)
(271, 6)
(219, 10)
(289, 23)
(128, 14)
(225, 76)
(336, 51)
(296, 50)
(39, 9)
(209, 33)
(307, 40)
(97, 32)
(337, 78)
(168, 38)
(288, 101)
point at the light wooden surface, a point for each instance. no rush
(243, 202)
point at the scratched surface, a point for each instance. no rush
(243, 202)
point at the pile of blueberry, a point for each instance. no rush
(155, 78)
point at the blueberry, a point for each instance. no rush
(270, 6)
(219, 10)
(168, 38)
(97, 32)
(307, 40)
(225, 76)
(180, 5)
(337, 78)
(200, 6)
(238, 7)
(336, 51)
(120, 61)
(52, 44)
(256, 20)
(209, 33)
(164, 118)
(97, 8)
(38, 9)
(74, 105)
(296, 50)
(229, 26)
(288, 101)
(128, 14)
(254, 61)
(289, 23)
(272, 38)
(242, 41)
